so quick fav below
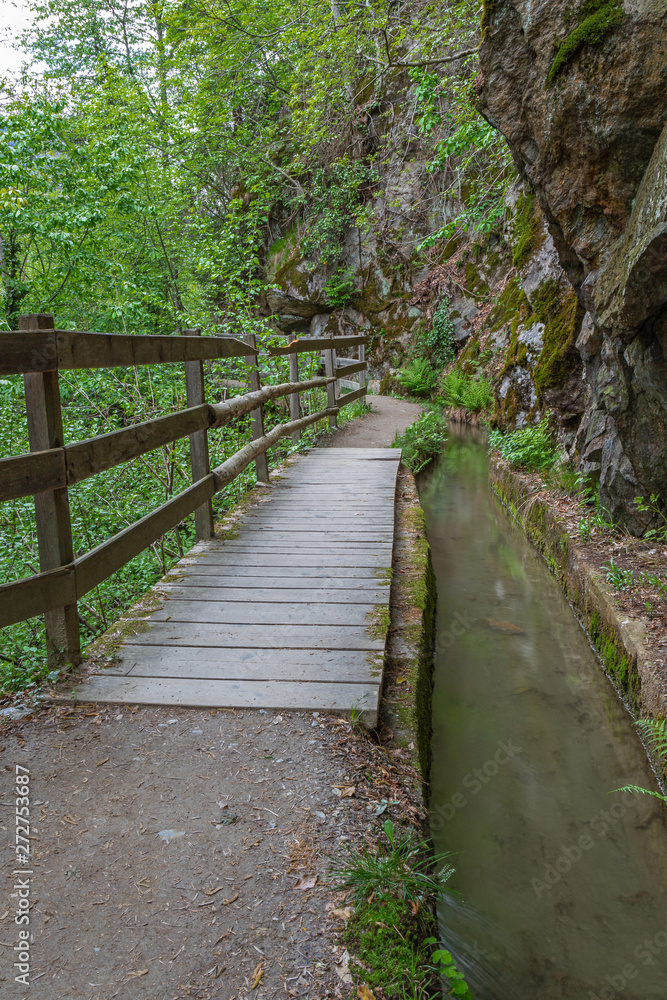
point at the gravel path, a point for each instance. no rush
(183, 853)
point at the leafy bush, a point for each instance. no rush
(529, 448)
(418, 379)
(424, 440)
(473, 394)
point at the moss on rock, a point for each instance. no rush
(560, 312)
(602, 17)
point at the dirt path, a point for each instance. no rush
(377, 429)
(183, 853)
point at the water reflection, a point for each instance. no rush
(565, 884)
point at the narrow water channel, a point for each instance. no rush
(563, 885)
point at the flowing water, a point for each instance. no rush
(563, 885)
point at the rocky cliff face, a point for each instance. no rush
(564, 304)
(591, 141)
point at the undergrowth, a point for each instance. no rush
(530, 448)
(394, 888)
(424, 440)
(418, 378)
(467, 392)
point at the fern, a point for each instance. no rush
(418, 378)
(654, 732)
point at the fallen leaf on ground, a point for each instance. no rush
(140, 972)
(364, 993)
(343, 913)
(344, 791)
(307, 883)
(342, 968)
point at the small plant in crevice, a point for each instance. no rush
(531, 448)
(402, 867)
(654, 732)
(653, 506)
(424, 440)
(418, 378)
(340, 289)
(596, 520)
(620, 579)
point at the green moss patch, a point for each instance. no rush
(527, 230)
(387, 942)
(561, 314)
(603, 17)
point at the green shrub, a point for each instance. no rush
(531, 448)
(424, 440)
(418, 379)
(473, 394)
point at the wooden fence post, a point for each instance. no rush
(199, 459)
(294, 399)
(256, 416)
(54, 528)
(330, 369)
(362, 358)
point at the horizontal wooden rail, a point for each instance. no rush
(45, 591)
(317, 344)
(350, 397)
(66, 350)
(230, 469)
(24, 475)
(350, 369)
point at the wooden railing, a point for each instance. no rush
(39, 352)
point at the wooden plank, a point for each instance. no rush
(248, 664)
(239, 612)
(281, 695)
(350, 367)
(257, 636)
(350, 397)
(35, 595)
(106, 451)
(199, 568)
(316, 344)
(24, 475)
(105, 559)
(322, 560)
(199, 458)
(233, 590)
(190, 576)
(65, 350)
(54, 530)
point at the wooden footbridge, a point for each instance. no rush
(291, 613)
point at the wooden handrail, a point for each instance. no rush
(316, 344)
(65, 350)
(43, 592)
(24, 475)
(39, 351)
